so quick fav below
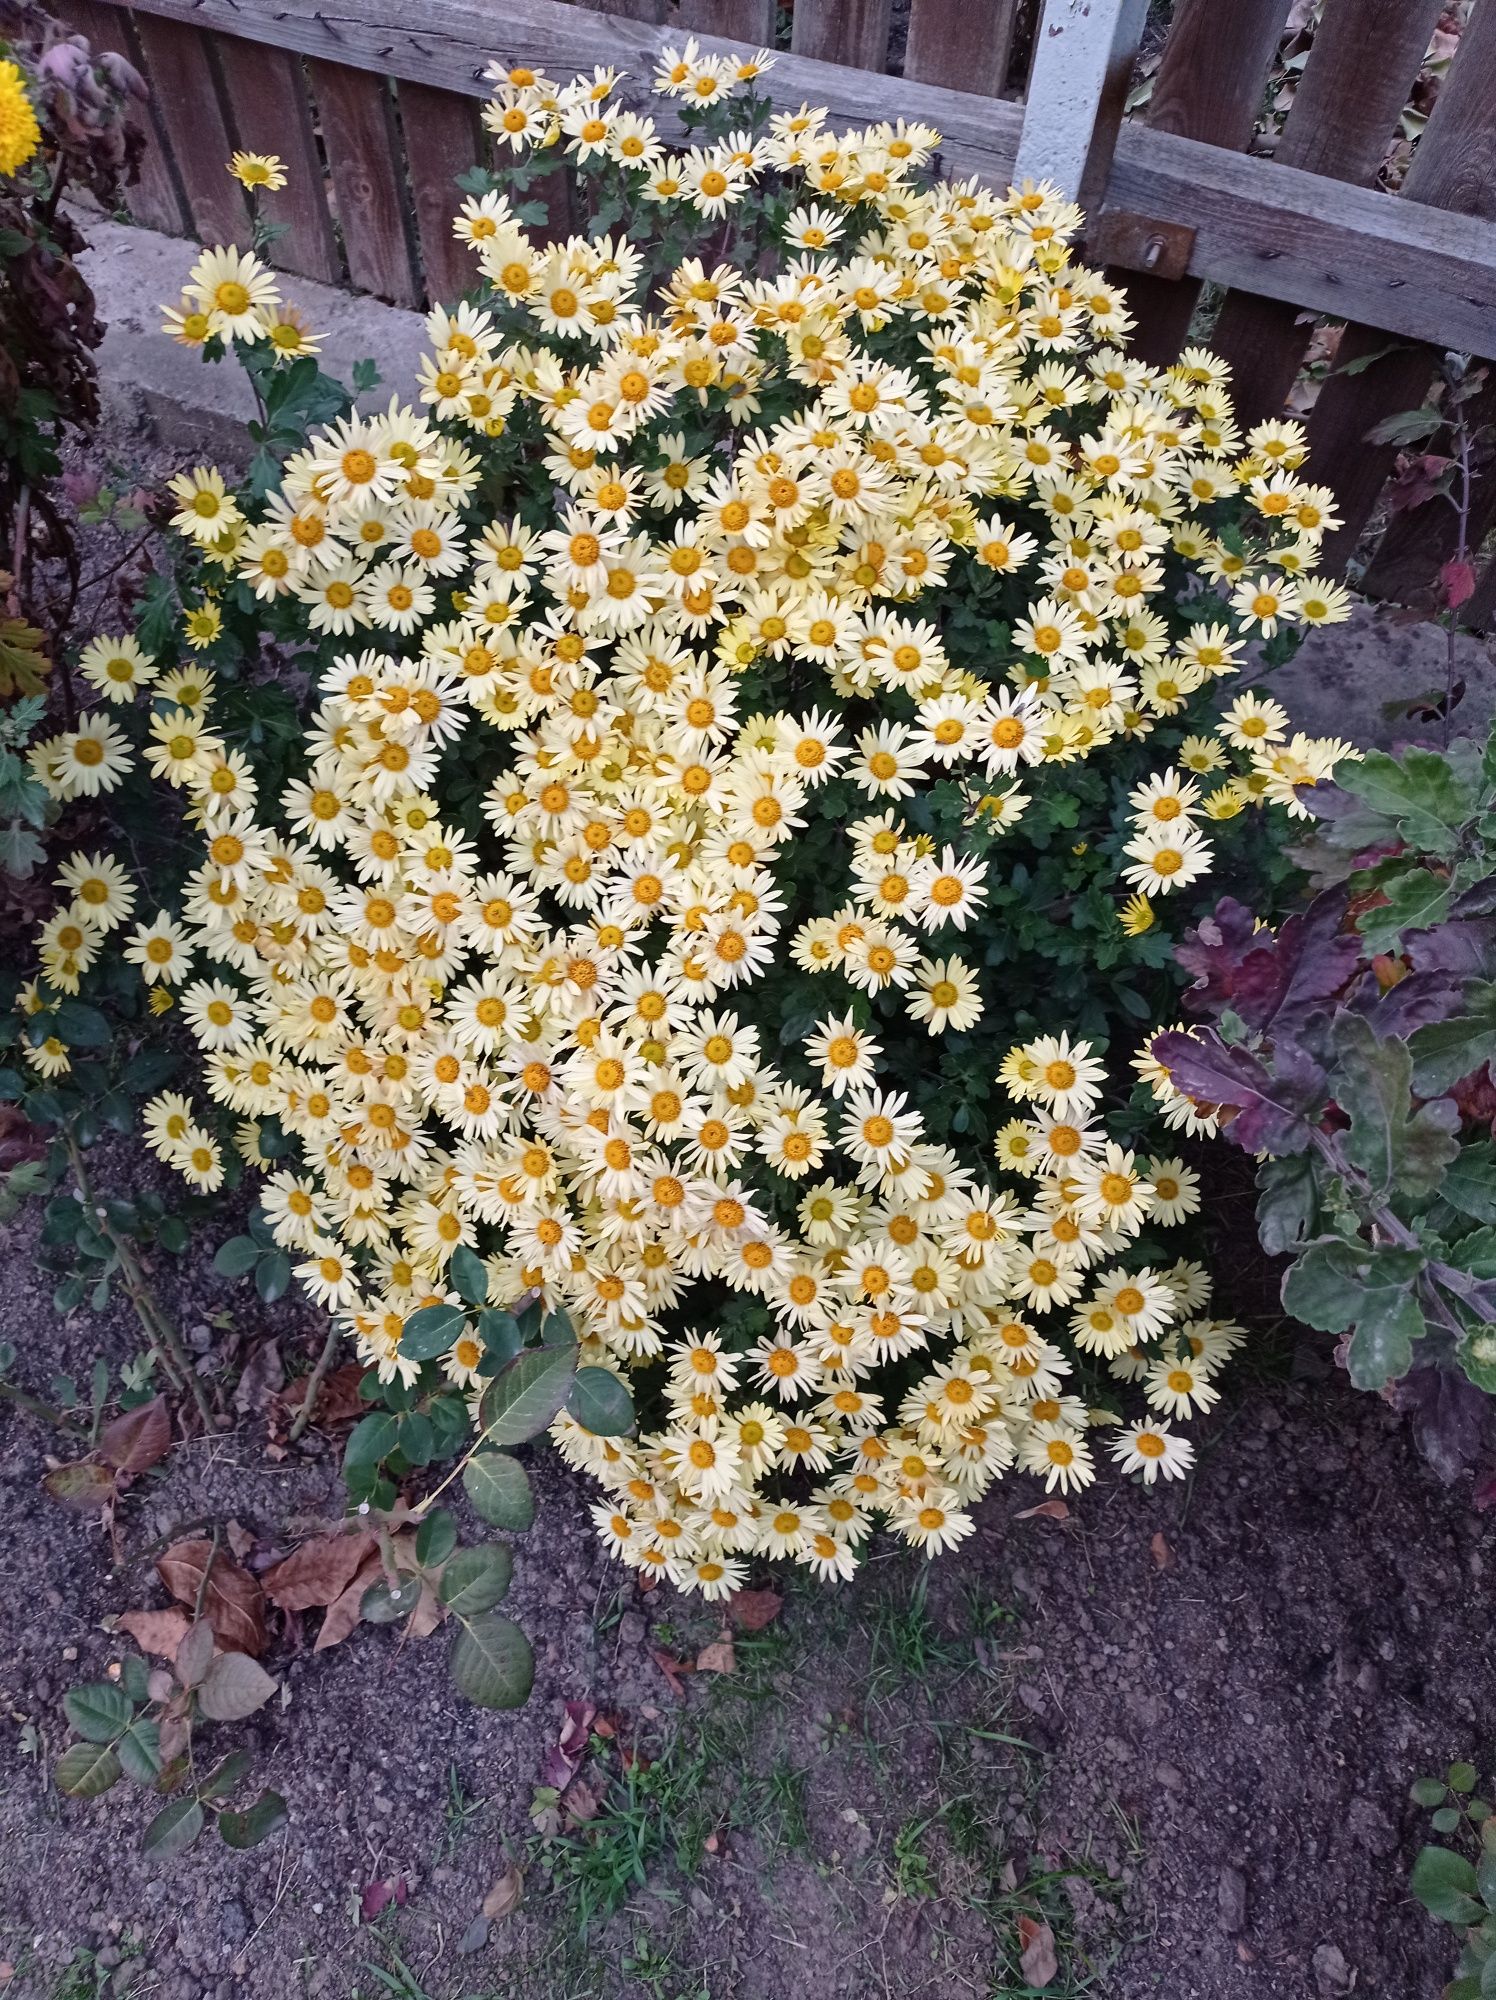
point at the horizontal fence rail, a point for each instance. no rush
(374, 108)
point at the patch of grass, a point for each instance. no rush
(460, 1813)
(83, 1978)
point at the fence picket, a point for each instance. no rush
(441, 141)
(1455, 168)
(1209, 86)
(962, 46)
(1341, 119)
(358, 129)
(854, 32)
(739, 20)
(267, 100)
(184, 95)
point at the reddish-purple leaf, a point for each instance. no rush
(1273, 1111)
(1456, 583)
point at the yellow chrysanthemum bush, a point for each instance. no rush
(762, 702)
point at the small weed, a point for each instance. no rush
(460, 1812)
(83, 1978)
(913, 1876)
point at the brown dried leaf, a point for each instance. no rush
(671, 1668)
(174, 1735)
(195, 1654)
(137, 1439)
(338, 1400)
(344, 1612)
(1038, 1959)
(87, 1487)
(239, 1538)
(263, 1376)
(318, 1572)
(232, 1602)
(234, 1687)
(504, 1898)
(158, 1632)
(1163, 1555)
(428, 1614)
(580, 1802)
(718, 1657)
(1047, 1510)
(752, 1610)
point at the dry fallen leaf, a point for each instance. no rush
(671, 1668)
(717, 1658)
(1047, 1510)
(1037, 1959)
(318, 1572)
(1163, 1555)
(86, 1487)
(580, 1801)
(158, 1632)
(504, 1898)
(137, 1439)
(345, 1611)
(232, 1602)
(752, 1610)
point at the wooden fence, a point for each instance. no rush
(374, 108)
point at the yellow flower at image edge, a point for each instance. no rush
(20, 135)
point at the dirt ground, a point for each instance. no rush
(1178, 1729)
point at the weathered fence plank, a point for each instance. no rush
(442, 140)
(1341, 119)
(154, 199)
(1208, 87)
(267, 99)
(184, 92)
(842, 31)
(963, 45)
(1077, 93)
(358, 128)
(1453, 169)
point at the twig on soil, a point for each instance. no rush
(314, 1385)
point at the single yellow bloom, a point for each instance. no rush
(258, 170)
(20, 135)
(1136, 916)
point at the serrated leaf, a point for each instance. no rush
(523, 1399)
(1420, 792)
(266, 1816)
(474, 1580)
(492, 1662)
(499, 1489)
(1287, 1200)
(98, 1711)
(1470, 1184)
(139, 1751)
(86, 1769)
(432, 1332)
(1416, 900)
(600, 1402)
(372, 1438)
(173, 1830)
(1274, 1108)
(1444, 1882)
(469, 1275)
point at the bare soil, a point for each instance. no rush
(1177, 1727)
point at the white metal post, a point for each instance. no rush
(1077, 92)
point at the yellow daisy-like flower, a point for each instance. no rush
(20, 134)
(1136, 916)
(258, 170)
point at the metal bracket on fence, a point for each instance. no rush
(1140, 243)
(1077, 92)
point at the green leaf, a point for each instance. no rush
(1416, 900)
(267, 1815)
(1427, 1792)
(236, 1257)
(135, 1678)
(273, 1276)
(432, 1331)
(371, 1439)
(1286, 1202)
(1323, 1286)
(1420, 792)
(86, 1769)
(435, 1538)
(1470, 1184)
(1387, 1325)
(469, 1274)
(1444, 1882)
(173, 1830)
(1446, 1819)
(500, 1334)
(82, 1027)
(499, 1489)
(385, 1602)
(98, 1711)
(601, 1402)
(1445, 1051)
(1398, 1149)
(556, 1329)
(492, 1662)
(223, 1778)
(140, 1751)
(475, 1579)
(524, 1398)
(1462, 1777)
(1475, 1253)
